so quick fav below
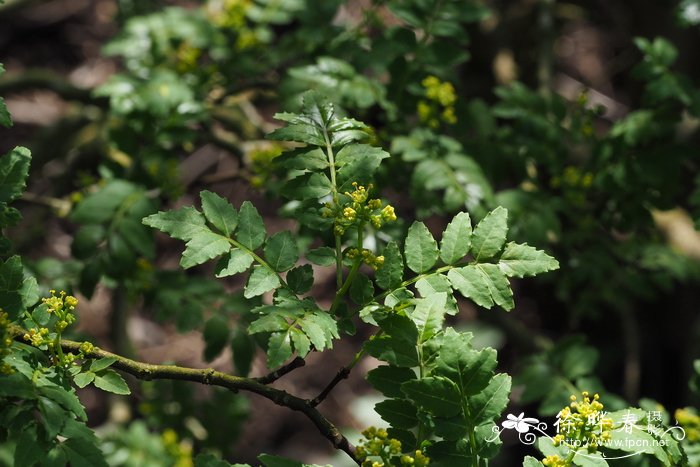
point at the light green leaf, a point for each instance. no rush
(83, 379)
(434, 394)
(203, 246)
(428, 315)
(102, 363)
(235, 262)
(522, 260)
(301, 342)
(421, 248)
(490, 234)
(321, 328)
(530, 461)
(251, 229)
(268, 323)
(14, 168)
(261, 280)
(183, 223)
(281, 251)
(279, 349)
(456, 239)
(323, 256)
(432, 284)
(390, 275)
(489, 403)
(219, 212)
(483, 283)
(111, 381)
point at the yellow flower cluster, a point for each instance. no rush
(232, 14)
(689, 419)
(439, 103)
(554, 461)
(584, 421)
(359, 210)
(5, 343)
(186, 57)
(180, 450)
(375, 262)
(378, 450)
(573, 177)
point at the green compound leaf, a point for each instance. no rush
(434, 394)
(438, 283)
(111, 381)
(490, 234)
(390, 275)
(321, 329)
(484, 283)
(470, 369)
(268, 323)
(261, 280)
(399, 413)
(219, 212)
(522, 260)
(279, 349)
(421, 248)
(318, 125)
(205, 245)
(429, 315)
(14, 168)
(456, 239)
(281, 251)
(234, 262)
(302, 344)
(488, 404)
(183, 223)
(301, 279)
(251, 229)
(387, 379)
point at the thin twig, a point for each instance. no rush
(277, 374)
(148, 371)
(342, 374)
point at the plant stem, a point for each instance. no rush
(148, 371)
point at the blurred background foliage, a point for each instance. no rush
(580, 117)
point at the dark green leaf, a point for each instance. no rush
(243, 349)
(456, 239)
(80, 452)
(11, 280)
(390, 274)
(470, 369)
(219, 212)
(216, 334)
(53, 416)
(399, 413)
(361, 289)
(421, 249)
(387, 379)
(301, 278)
(99, 207)
(28, 449)
(281, 251)
(434, 394)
